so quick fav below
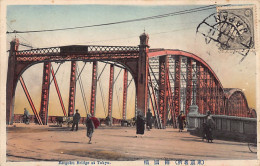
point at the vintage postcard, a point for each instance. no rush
(147, 83)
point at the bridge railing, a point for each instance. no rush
(241, 129)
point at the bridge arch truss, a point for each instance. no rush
(169, 81)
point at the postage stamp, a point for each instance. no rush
(231, 28)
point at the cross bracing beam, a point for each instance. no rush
(30, 100)
(79, 79)
(55, 72)
(79, 73)
(154, 103)
(58, 91)
(170, 100)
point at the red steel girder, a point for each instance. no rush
(58, 92)
(205, 91)
(184, 54)
(236, 103)
(170, 98)
(82, 52)
(30, 100)
(217, 112)
(177, 86)
(189, 85)
(163, 65)
(12, 79)
(72, 92)
(214, 96)
(45, 92)
(222, 106)
(211, 96)
(93, 89)
(110, 93)
(199, 90)
(154, 104)
(125, 93)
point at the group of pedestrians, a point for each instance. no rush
(207, 126)
(89, 124)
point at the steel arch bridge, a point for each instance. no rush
(168, 81)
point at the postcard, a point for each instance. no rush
(144, 83)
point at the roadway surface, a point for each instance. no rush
(48, 143)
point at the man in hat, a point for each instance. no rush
(76, 119)
(210, 125)
(140, 123)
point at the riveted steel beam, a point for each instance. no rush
(93, 89)
(45, 92)
(177, 86)
(188, 85)
(110, 93)
(30, 101)
(72, 91)
(125, 93)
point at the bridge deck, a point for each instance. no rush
(31, 142)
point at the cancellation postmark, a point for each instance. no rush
(231, 28)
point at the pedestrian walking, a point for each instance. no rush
(210, 124)
(76, 119)
(140, 123)
(26, 118)
(181, 121)
(149, 119)
(90, 127)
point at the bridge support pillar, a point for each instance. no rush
(110, 93)
(177, 86)
(11, 83)
(125, 94)
(142, 76)
(45, 92)
(72, 93)
(199, 89)
(163, 65)
(93, 89)
(189, 85)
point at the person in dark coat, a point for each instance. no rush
(90, 127)
(204, 131)
(140, 123)
(108, 121)
(181, 121)
(210, 126)
(149, 119)
(26, 118)
(76, 119)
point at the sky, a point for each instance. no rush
(174, 32)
